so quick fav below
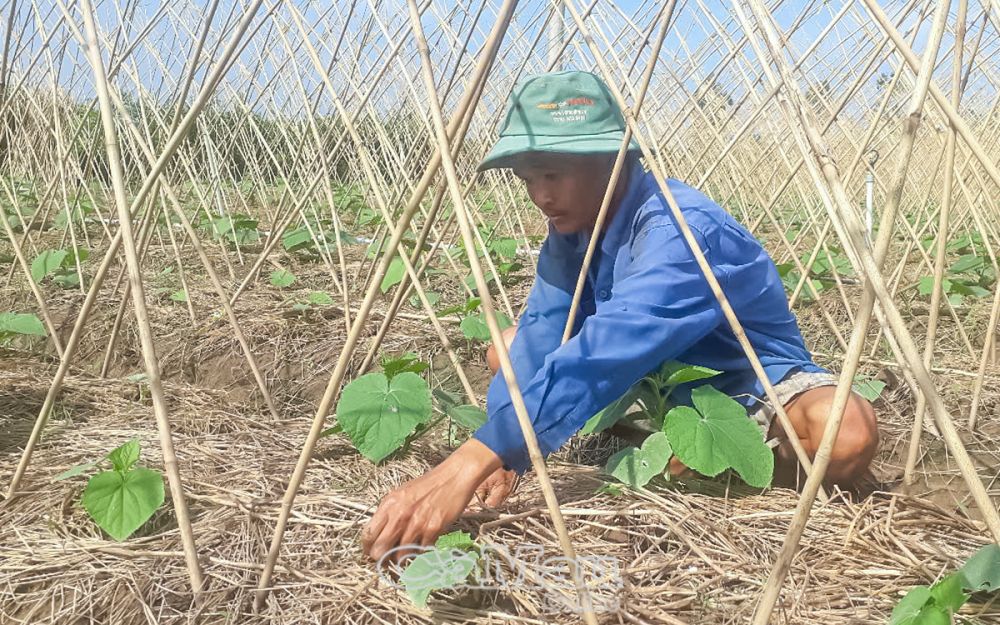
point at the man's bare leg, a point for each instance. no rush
(854, 448)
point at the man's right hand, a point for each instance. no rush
(496, 488)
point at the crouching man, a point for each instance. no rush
(645, 302)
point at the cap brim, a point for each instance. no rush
(507, 148)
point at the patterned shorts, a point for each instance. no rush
(787, 390)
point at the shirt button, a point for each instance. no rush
(603, 294)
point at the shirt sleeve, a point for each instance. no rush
(660, 306)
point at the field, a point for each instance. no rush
(264, 213)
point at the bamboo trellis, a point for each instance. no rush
(158, 130)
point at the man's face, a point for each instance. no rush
(568, 188)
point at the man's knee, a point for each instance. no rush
(857, 440)
(492, 359)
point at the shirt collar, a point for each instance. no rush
(617, 233)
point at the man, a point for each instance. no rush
(645, 302)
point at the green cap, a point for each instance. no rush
(564, 112)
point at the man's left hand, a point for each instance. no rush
(417, 512)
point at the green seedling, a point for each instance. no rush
(408, 361)
(237, 229)
(454, 557)
(381, 415)
(821, 274)
(60, 265)
(315, 299)
(282, 278)
(938, 603)
(473, 325)
(13, 325)
(84, 208)
(649, 394)
(971, 276)
(121, 500)
(716, 435)
(870, 389)
(322, 238)
(710, 437)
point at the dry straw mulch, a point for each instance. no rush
(698, 552)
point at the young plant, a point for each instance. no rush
(473, 325)
(381, 412)
(282, 278)
(60, 264)
(937, 604)
(970, 276)
(13, 325)
(237, 229)
(121, 500)
(318, 237)
(454, 557)
(710, 437)
(821, 274)
(465, 416)
(315, 299)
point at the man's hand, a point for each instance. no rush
(418, 512)
(495, 489)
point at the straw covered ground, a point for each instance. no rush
(692, 552)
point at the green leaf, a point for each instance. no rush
(445, 399)
(926, 285)
(121, 502)
(717, 435)
(393, 275)
(948, 594)
(79, 469)
(179, 296)
(379, 414)
(319, 298)
(432, 297)
(917, 608)
(330, 431)
(298, 239)
(674, 373)
(504, 248)
(610, 488)
(406, 362)
(982, 571)
(636, 467)
(282, 278)
(469, 417)
(436, 570)
(21, 323)
(68, 280)
(474, 326)
(966, 263)
(615, 411)
(123, 458)
(456, 540)
(869, 389)
(46, 263)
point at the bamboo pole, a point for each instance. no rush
(897, 325)
(171, 146)
(139, 305)
(496, 333)
(616, 171)
(942, 242)
(490, 49)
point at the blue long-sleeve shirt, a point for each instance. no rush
(645, 302)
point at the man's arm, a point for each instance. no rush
(659, 309)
